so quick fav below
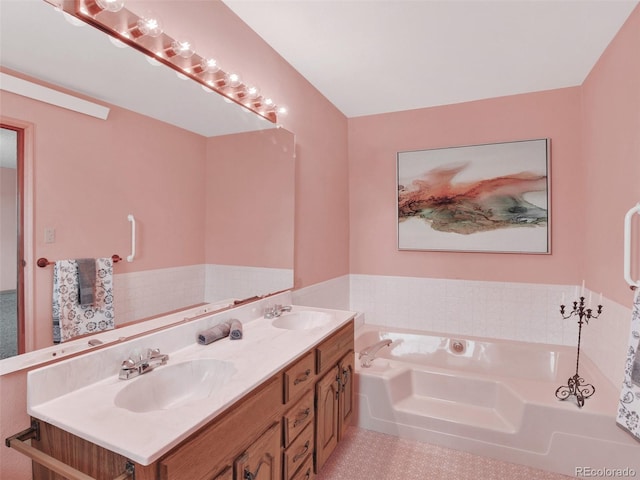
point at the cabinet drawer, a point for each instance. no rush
(296, 454)
(306, 471)
(298, 417)
(299, 377)
(329, 352)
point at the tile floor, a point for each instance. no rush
(367, 455)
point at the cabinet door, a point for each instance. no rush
(346, 403)
(262, 460)
(327, 393)
(226, 474)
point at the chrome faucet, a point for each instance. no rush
(276, 310)
(369, 354)
(139, 364)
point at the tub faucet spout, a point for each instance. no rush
(369, 354)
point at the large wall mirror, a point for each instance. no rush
(211, 185)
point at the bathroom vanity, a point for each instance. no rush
(283, 425)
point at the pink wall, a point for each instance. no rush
(611, 158)
(242, 231)
(8, 239)
(90, 174)
(374, 141)
(322, 200)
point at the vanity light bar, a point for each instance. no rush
(125, 26)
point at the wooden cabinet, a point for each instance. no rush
(219, 443)
(306, 471)
(327, 397)
(298, 417)
(272, 433)
(261, 461)
(296, 454)
(299, 377)
(346, 405)
(334, 392)
(226, 474)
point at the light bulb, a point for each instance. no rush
(253, 93)
(233, 80)
(184, 48)
(149, 26)
(209, 65)
(282, 110)
(110, 5)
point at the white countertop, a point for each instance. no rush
(74, 396)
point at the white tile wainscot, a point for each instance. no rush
(510, 311)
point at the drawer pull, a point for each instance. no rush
(345, 377)
(304, 451)
(303, 378)
(301, 417)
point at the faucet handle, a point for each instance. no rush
(128, 363)
(153, 353)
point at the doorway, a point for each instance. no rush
(11, 245)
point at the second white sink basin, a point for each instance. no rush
(302, 320)
(173, 386)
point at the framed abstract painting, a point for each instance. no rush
(476, 198)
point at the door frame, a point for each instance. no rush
(26, 254)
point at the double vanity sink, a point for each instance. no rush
(145, 417)
(179, 384)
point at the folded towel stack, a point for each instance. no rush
(214, 333)
(231, 328)
(235, 329)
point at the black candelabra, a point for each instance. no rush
(576, 385)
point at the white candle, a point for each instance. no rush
(562, 301)
(590, 295)
(582, 290)
(600, 301)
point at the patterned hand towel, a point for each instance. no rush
(71, 319)
(629, 411)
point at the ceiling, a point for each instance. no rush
(376, 56)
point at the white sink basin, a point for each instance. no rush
(303, 320)
(173, 386)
